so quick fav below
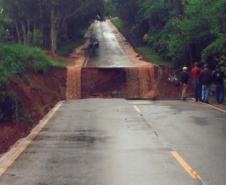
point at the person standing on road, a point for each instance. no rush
(195, 72)
(184, 80)
(205, 79)
(218, 78)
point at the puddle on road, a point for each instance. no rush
(200, 121)
(86, 138)
(75, 139)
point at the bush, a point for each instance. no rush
(4, 34)
(118, 22)
(35, 38)
(16, 59)
(150, 55)
(68, 47)
(215, 50)
(11, 108)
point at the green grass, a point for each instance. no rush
(145, 51)
(12, 108)
(150, 55)
(118, 22)
(68, 47)
(17, 59)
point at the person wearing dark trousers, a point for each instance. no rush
(195, 72)
(218, 78)
(205, 80)
(184, 81)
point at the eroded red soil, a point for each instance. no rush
(75, 62)
(153, 80)
(39, 93)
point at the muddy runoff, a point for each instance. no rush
(139, 82)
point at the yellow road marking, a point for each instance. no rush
(186, 166)
(9, 158)
(214, 107)
(136, 108)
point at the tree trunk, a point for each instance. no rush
(53, 38)
(28, 26)
(24, 33)
(18, 33)
(53, 31)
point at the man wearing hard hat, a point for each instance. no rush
(184, 81)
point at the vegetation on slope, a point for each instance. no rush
(17, 59)
(180, 31)
(27, 29)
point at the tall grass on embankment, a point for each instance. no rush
(118, 22)
(150, 55)
(146, 51)
(17, 59)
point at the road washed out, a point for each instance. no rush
(130, 82)
(114, 71)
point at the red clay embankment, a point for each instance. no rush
(39, 93)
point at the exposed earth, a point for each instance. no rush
(39, 93)
(117, 70)
(89, 78)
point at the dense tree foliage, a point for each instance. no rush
(46, 22)
(181, 31)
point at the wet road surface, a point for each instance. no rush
(110, 53)
(119, 142)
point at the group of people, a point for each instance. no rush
(202, 79)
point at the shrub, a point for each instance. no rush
(118, 22)
(11, 108)
(35, 38)
(16, 59)
(4, 34)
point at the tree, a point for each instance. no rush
(48, 18)
(181, 31)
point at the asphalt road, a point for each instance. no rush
(110, 53)
(119, 142)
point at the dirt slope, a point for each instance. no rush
(39, 93)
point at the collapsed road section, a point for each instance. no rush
(115, 70)
(111, 73)
(127, 82)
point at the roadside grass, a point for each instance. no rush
(117, 21)
(12, 108)
(152, 56)
(146, 51)
(17, 58)
(68, 47)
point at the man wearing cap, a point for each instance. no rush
(184, 80)
(195, 72)
(218, 78)
(205, 79)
